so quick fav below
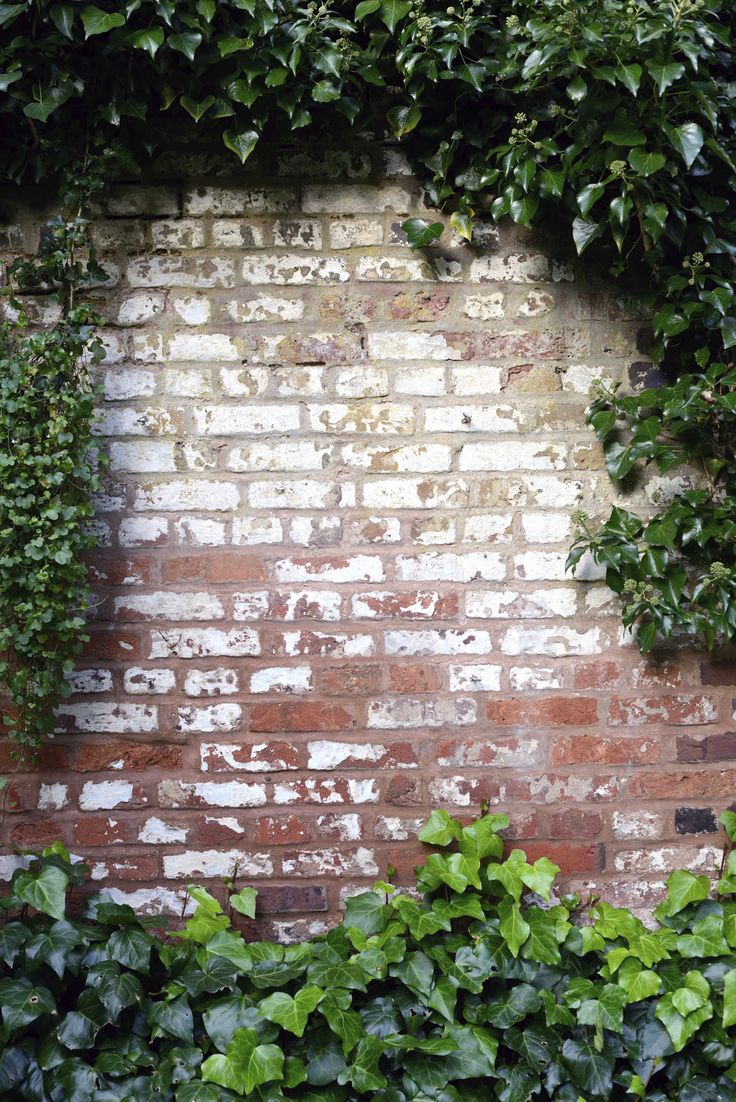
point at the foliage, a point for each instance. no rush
(48, 472)
(616, 118)
(676, 573)
(484, 986)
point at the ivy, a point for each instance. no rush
(500, 989)
(48, 472)
(616, 119)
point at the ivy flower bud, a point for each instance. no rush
(617, 168)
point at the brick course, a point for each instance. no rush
(330, 577)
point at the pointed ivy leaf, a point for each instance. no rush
(63, 18)
(96, 21)
(420, 233)
(512, 927)
(440, 829)
(444, 997)
(47, 101)
(21, 1002)
(241, 144)
(246, 1064)
(44, 890)
(584, 232)
(150, 39)
(172, 1018)
(630, 76)
(729, 999)
(186, 44)
(665, 74)
(244, 902)
(687, 139)
(644, 986)
(402, 120)
(343, 1021)
(366, 912)
(291, 1012)
(591, 1071)
(131, 948)
(588, 196)
(646, 164)
(9, 12)
(393, 11)
(79, 1027)
(196, 108)
(682, 888)
(364, 1073)
(366, 7)
(417, 972)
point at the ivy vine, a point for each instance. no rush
(616, 117)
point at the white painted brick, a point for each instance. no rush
(214, 717)
(423, 381)
(105, 795)
(512, 455)
(204, 643)
(554, 641)
(111, 717)
(244, 382)
(355, 199)
(259, 758)
(300, 494)
(187, 382)
(156, 832)
(338, 645)
(217, 682)
(214, 862)
(200, 532)
(535, 677)
(242, 420)
(301, 604)
(294, 270)
(142, 531)
(204, 347)
(362, 381)
(403, 345)
(296, 455)
(184, 233)
(138, 680)
(386, 417)
(484, 307)
(136, 309)
(450, 566)
(90, 681)
(176, 271)
(513, 604)
(217, 794)
(471, 418)
(166, 605)
(355, 233)
(546, 527)
(241, 200)
(331, 862)
(282, 679)
(266, 307)
(637, 825)
(143, 456)
(475, 679)
(406, 712)
(426, 643)
(255, 529)
(192, 309)
(409, 493)
(128, 383)
(298, 233)
(358, 568)
(513, 268)
(228, 233)
(182, 496)
(488, 528)
(475, 379)
(53, 797)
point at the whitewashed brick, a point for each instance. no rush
(255, 529)
(358, 568)
(105, 795)
(215, 862)
(204, 643)
(535, 677)
(553, 641)
(136, 309)
(296, 455)
(484, 307)
(546, 527)
(266, 307)
(139, 680)
(475, 379)
(204, 347)
(514, 268)
(90, 681)
(111, 717)
(332, 862)
(355, 199)
(512, 455)
(387, 417)
(166, 605)
(282, 679)
(217, 682)
(53, 797)
(294, 270)
(156, 832)
(142, 531)
(355, 233)
(527, 605)
(471, 418)
(403, 345)
(242, 420)
(200, 531)
(406, 712)
(241, 200)
(183, 496)
(192, 309)
(217, 794)
(176, 271)
(475, 679)
(452, 567)
(426, 643)
(410, 493)
(143, 456)
(128, 383)
(214, 717)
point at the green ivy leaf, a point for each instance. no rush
(96, 21)
(584, 233)
(150, 39)
(244, 902)
(186, 44)
(440, 828)
(241, 144)
(420, 233)
(683, 888)
(687, 139)
(246, 1064)
(393, 11)
(44, 890)
(512, 927)
(22, 1001)
(291, 1012)
(646, 164)
(664, 74)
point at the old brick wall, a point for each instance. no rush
(330, 569)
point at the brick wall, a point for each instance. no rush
(330, 568)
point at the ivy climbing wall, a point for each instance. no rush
(330, 580)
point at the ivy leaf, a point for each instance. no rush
(241, 144)
(96, 21)
(44, 890)
(683, 888)
(665, 74)
(440, 828)
(291, 1012)
(343, 1021)
(591, 1071)
(78, 1028)
(584, 232)
(462, 223)
(630, 76)
(366, 7)
(393, 11)
(365, 911)
(21, 1002)
(246, 1064)
(9, 12)
(364, 1072)
(131, 947)
(420, 233)
(729, 999)
(646, 164)
(46, 102)
(149, 39)
(63, 18)
(244, 902)
(512, 927)
(196, 108)
(186, 44)
(624, 135)
(687, 139)
(402, 120)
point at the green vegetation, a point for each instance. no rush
(483, 986)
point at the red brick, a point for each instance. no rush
(553, 711)
(651, 674)
(280, 830)
(417, 305)
(214, 566)
(711, 748)
(350, 680)
(585, 749)
(114, 572)
(570, 858)
(252, 757)
(577, 824)
(298, 716)
(291, 898)
(112, 645)
(675, 786)
(135, 756)
(36, 832)
(48, 758)
(98, 830)
(597, 675)
(679, 710)
(416, 605)
(718, 673)
(414, 679)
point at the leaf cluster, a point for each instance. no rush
(482, 984)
